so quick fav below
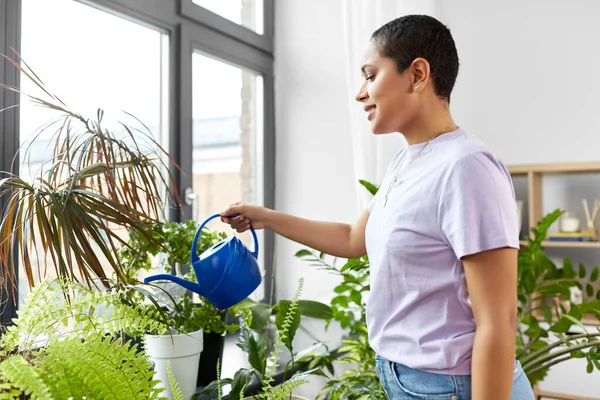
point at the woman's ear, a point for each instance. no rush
(420, 73)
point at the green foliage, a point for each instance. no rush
(255, 340)
(360, 380)
(545, 322)
(175, 389)
(25, 377)
(59, 306)
(94, 182)
(175, 240)
(83, 353)
(369, 186)
(349, 310)
(288, 320)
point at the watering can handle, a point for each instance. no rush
(194, 255)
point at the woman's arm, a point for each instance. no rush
(492, 283)
(337, 239)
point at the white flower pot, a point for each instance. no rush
(182, 351)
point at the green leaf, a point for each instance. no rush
(594, 275)
(369, 186)
(214, 385)
(547, 311)
(356, 297)
(314, 309)
(563, 325)
(341, 288)
(568, 270)
(255, 347)
(261, 314)
(528, 281)
(283, 308)
(303, 253)
(582, 271)
(341, 300)
(589, 289)
(241, 380)
(590, 367)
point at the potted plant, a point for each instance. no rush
(96, 181)
(265, 332)
(186, 313)
(59, 347)
(546, 316)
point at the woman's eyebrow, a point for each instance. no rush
(364, 67)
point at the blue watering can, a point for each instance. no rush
(226, 273)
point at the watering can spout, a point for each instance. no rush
(194, 287)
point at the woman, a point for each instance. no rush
(441, 233)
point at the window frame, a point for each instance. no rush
(189, 27)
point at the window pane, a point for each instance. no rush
(248, 13)
(227, 138)
(90, 59)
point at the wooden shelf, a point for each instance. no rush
(546, 395)
(567, 168)
(579, 245)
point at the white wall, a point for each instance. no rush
(528, 87)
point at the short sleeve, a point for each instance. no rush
(372, 203)
(478, 210)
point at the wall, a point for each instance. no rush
(527, 88)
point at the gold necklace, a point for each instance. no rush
(402, 169)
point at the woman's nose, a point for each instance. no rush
(362, 94)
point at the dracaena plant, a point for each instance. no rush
(68, 213)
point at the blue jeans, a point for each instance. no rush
(404, 383)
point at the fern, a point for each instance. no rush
(56, 306)
(9, 392)
(284, 390)
(80, 357)
(173, 384)
(269, 393)
(25, 377)
(98, 366)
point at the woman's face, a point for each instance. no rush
(385, 93)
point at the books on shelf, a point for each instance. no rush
(567, 236)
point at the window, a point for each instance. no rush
(227, 138)
(248, 13)
(153, 58)
(121, 69)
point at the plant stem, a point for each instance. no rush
(555, 344)
(545, 366)
(560, 353)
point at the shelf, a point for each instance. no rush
(578, 167)
(544, 394)
(579, 245)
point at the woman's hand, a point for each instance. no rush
(246, 215)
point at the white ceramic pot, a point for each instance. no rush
(182, 351)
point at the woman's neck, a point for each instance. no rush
(430, 123)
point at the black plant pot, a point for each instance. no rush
(211, 353)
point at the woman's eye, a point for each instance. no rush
(370, 77)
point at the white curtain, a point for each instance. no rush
(361, 17)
